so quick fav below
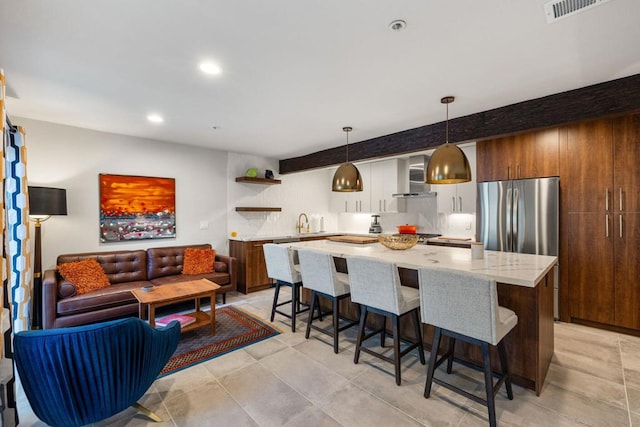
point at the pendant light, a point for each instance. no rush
(347, 177)
(448, 164)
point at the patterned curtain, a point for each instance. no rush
(15, 267)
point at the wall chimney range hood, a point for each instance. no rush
(417, 186)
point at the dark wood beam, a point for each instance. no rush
(604, 99)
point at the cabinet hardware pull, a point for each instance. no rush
(460, 205)
(620, 196)
(621, 226)
(385, 205)
(606, 225)
(379, 205)
(453, 204)
(508, 172)
(606, 199)
(518, 171)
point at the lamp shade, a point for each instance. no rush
(347, 178)
(47, 201)
(448, 165)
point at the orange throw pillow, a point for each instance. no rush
(86, 275)
(198, 261)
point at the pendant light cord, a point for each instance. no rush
(347, 129)
(447, 100)
(347, 146)
(446, 137)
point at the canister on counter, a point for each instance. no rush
(477, 250)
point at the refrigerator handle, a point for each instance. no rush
(514, 226)
(509, 209)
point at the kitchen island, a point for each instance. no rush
(525, 285)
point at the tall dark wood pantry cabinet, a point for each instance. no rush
(603, 221)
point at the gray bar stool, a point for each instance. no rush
(375, 285)
(282, 268)
(465, 306)
(320, 276)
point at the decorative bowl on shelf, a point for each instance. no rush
(398, 241)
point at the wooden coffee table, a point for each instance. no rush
(177, 292)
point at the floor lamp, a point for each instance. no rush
(43, 202)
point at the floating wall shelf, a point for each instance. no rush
(257, 209)
(250, 180)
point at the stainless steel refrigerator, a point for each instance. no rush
(520, 216)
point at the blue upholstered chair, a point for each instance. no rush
(79, 375)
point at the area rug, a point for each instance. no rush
(235, 329)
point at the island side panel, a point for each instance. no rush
(546, 345)
(529, 345)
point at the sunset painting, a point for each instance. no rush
(136, 208)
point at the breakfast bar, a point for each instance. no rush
(525, 285)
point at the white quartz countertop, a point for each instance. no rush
(504, 267)
(294, 236)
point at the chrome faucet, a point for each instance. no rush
(299, 226)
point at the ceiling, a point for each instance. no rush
(295, 72)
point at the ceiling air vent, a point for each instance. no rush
(559, 9)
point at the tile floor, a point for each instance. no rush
(594, 380)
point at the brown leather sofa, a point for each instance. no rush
(126, 270)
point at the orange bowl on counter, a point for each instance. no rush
(398, 241)
(407, 229)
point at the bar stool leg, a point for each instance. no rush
(294, 306)
(432, 361)
(505, 369)
(275, 299)
(363, 319)
(314, 300)
(488, 384)
(416, 323)
(336, 323)
(452, 349)
(396, 346)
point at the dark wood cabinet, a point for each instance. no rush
(590, 266)
(627, 270)
(603, 221)
(252, 269)
(590, 167)
(626, 137)
(526, 155)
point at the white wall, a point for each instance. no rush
(71, 158)
(306, 192)
(206, 191)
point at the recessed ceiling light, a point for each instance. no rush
(210, 68)
(155, 118)
(398, 25)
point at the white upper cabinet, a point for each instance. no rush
(459, 198)
(388, 177)
(353, 201)
(379, 181)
